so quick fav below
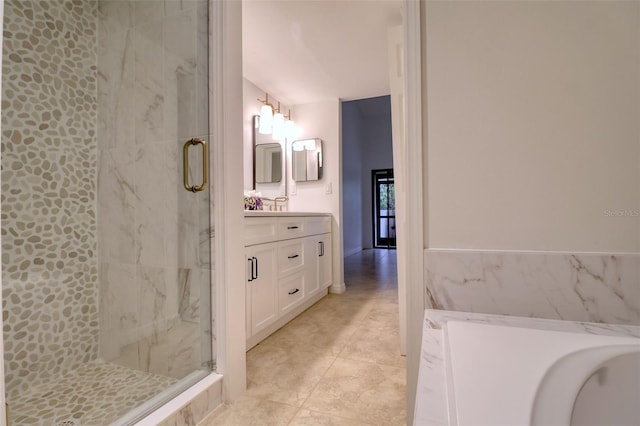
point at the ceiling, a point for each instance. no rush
(303, 51)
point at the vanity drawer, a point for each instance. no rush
(291, 291)
(258, 230)
(290, 256)
(294, 227)
(318, 225)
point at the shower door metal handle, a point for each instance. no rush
(185, 165)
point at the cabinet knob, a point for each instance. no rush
(294, 291)
(293, 256)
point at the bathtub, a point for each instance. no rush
(511, 375)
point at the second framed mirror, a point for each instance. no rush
(306, 160)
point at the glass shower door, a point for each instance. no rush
(106, 270)
(153, 198)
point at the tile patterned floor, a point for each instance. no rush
(93, 394)
(338, 363)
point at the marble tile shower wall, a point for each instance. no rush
(49, 263)
(568, 286)
(153, 234)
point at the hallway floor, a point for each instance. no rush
(338, 363)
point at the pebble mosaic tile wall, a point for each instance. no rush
(49, 147)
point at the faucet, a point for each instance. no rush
(279, 198)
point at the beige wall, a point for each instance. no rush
(533, 132)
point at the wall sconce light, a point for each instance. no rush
(273, 122)
(266, 116)
(278, 126)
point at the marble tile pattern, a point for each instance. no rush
(49, 158)
(431, 393)
(570, 286)
(172, 353)
(338, 363)
(154, 236)
(196, 409)
(92, 395)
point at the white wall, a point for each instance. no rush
(322, 120)
(251, 107)
(351, 178)
(226, 118)
(377, 153)
(533, 136)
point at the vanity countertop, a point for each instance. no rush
(267, 213)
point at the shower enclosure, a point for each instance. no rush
(106, 238)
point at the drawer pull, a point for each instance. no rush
(294, 291)
(293, 256)
(255, 277)
(292, 227)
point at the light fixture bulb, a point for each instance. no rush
(266, 120)
(278, 126)
(290, 129)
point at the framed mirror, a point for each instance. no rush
(306, 160)
(268, 163)
(269, 166)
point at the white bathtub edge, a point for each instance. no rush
(431, 405)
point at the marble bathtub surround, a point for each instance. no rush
(319, 370)
(589, 287)
(49, 158)
(431, 394)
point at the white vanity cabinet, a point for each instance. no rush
(288, 259)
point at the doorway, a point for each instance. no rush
(384, 210)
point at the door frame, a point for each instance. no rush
(415, 206)
(228, 221)
(227, 210)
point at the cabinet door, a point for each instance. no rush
(262, 297)
(312, 252)
(325, 270)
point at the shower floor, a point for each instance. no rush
(94, 394)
